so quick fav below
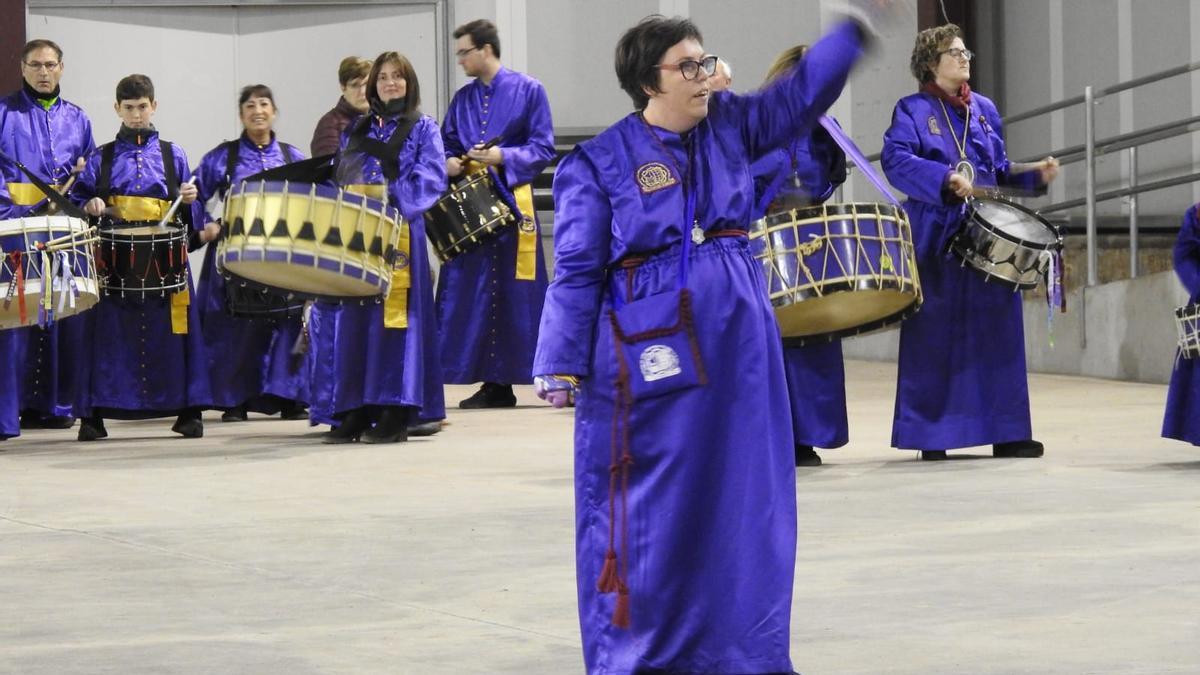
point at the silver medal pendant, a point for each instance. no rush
(965, 169)
(697, 235)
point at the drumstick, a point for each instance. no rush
(66, 237)
(53, 208)
(496, 140)
(174, 205)
(65, 246)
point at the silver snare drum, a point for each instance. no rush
(1006, 242)
(1187, 322)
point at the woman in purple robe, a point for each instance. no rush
(375, 367)
(684, 475)
(251, 364)
(961, 378)
(1182, 419)
(804, 173)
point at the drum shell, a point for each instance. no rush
(248, 300)
(466, 217)
(138, 261)
(24, 234)
(313, 241)
(837, 269)
(999, 255)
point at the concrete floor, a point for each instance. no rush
(258, 550)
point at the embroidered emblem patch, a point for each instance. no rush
(527, 226)
(933, 126)
(401, 260)
(659, 362)
(654, 176)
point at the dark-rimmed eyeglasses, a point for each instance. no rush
(38, 65)
(964, 54)
(463, 52)
(690, 68)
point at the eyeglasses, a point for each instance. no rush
(463, 52)
(690, 68)
(964, 54)
(49, 65)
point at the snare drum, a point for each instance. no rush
(1006, 242)
(142, 260)
(1187, 323)
(314, 241)
(248, 300)
(66, 264)
(837, 269)
(467, 216)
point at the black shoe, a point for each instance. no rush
(58, 422)
(351, 427)
(491, 395)
(293, 410)
(806, 456)
(1022, 449)
(237, 414)
(933, 455)
(31, 420)
(425, 428)
(189, 425)
(91, 429)
(391, 428)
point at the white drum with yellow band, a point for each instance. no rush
(47, 269)
(313, 240)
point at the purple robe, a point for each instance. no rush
(487, 318)
(711, 539)
(138, 367)
(250, 360)
(961, 379)
(48, 142)
(10, 391)
(809, 169)
(1182, 418)
(356, 361)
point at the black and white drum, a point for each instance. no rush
(246, 299)
(1006, 242)
(1187, 322)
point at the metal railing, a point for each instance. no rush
(1091, 149)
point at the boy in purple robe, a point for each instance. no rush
(251, 365)
(148, 357)
(804, 173)
(961, 378)
(685, 496)
(51, 137)
(489, 300)
(1182, 418)
(375, 367)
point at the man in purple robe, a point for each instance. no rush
(685, 496)
(489, 299)
(51, 137)
(148, 357)
(251, 365)
(961, 378)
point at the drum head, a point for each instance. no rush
(841, 313)
(1015, 222)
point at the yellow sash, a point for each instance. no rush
(26, 194)
(372, 190)
(179, 311)
(395, 305)
(138, 208)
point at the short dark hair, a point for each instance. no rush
(34, 45)
(255, 91)
(133, 87)
(412, 88)
(482, 32)
(642, 47)
(352, 68)
(926, 49)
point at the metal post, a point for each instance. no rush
(1089, 140)
(1133, 214)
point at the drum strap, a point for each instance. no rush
(231, 159)
(387, 153)
(107, 154)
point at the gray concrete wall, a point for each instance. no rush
(1123, 330)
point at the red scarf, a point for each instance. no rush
(960, 102)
